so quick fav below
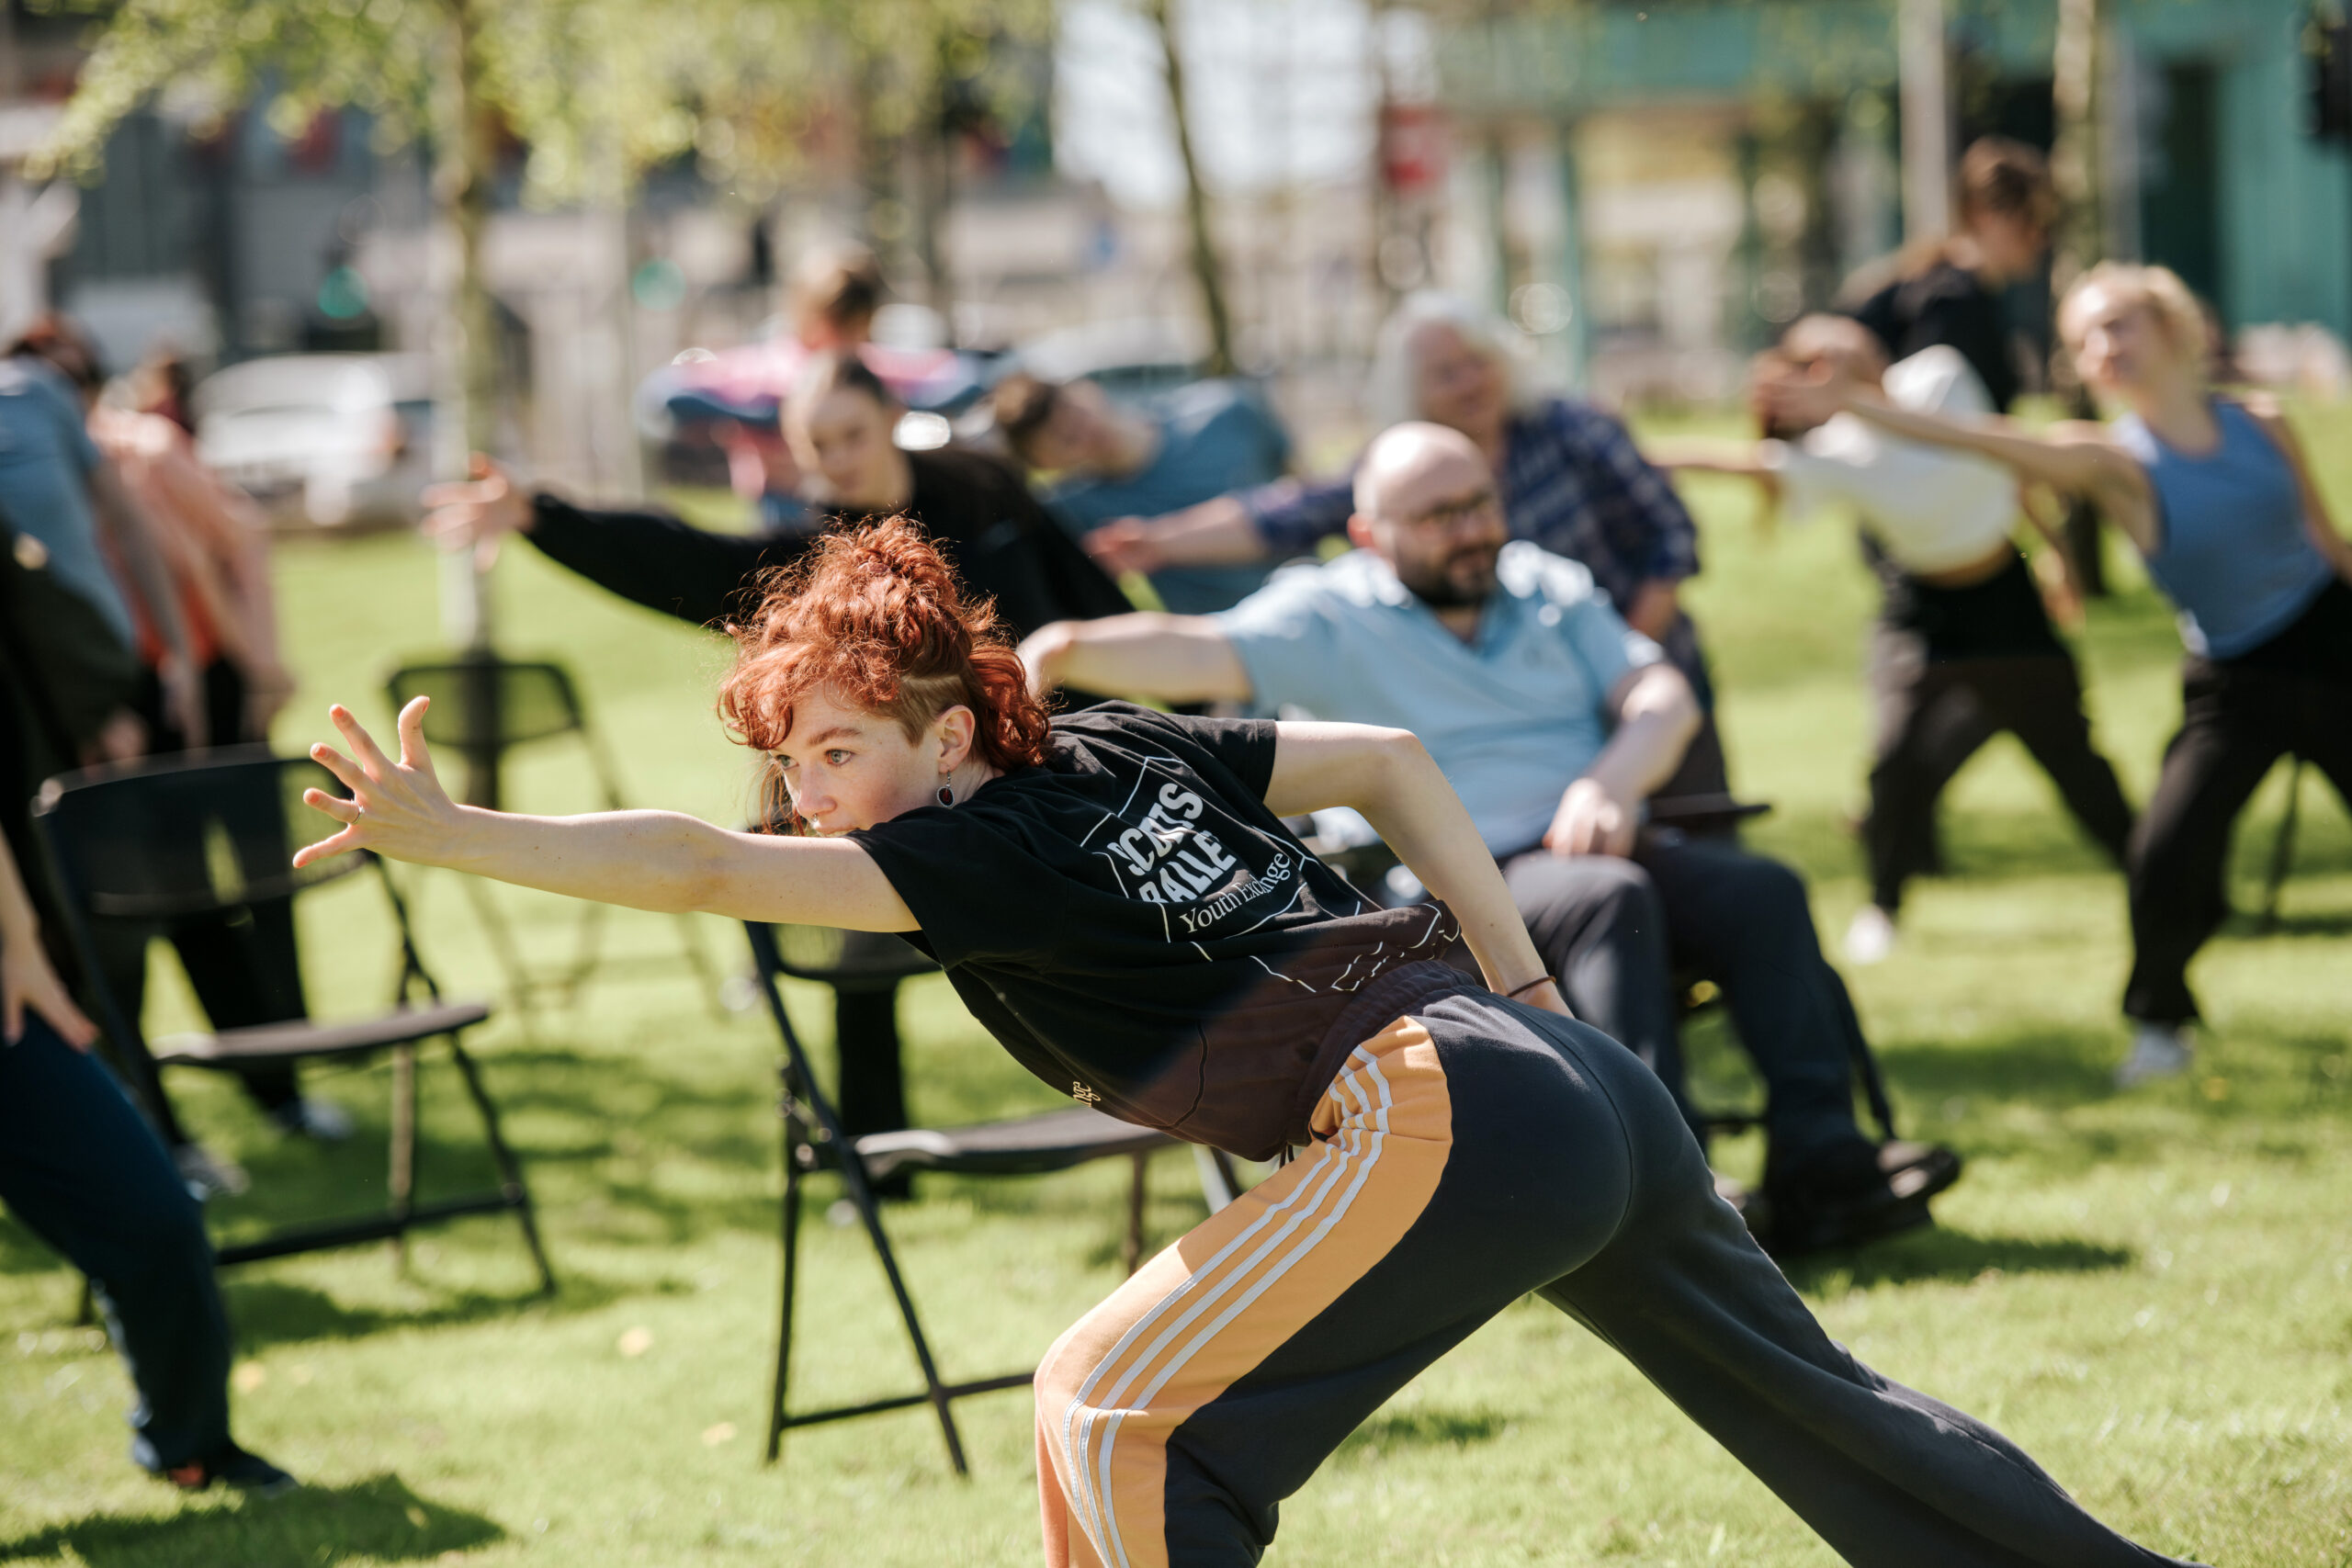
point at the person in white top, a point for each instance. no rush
(1964, 642)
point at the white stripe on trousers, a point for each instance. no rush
(1093, 1491)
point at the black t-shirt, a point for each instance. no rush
(1946, 304)
(1143, 934)
(989, 528)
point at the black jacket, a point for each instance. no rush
(990, 530)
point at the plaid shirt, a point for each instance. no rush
(1572, 480)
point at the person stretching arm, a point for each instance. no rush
(858, 768)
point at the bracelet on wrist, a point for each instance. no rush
(1516, 991)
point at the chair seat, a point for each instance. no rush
(1028, 1146)
(302, 1037)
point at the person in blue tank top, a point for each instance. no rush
(2217, 497)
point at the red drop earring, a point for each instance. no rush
(946, 795)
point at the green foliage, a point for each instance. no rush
(596, 89)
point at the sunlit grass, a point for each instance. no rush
(2149, 1290)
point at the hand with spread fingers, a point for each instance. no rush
(397, 810)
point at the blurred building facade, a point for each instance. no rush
(1698, 172)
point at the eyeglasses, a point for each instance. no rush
(1448, 516)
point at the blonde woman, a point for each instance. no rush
(2216, 494)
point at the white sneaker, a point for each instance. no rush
(2158, 1051)
(322, 1119)
(1872, 936)
(207, 1175)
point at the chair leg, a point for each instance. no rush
(2283, 850)
(861, 1193)
(1131, 1254)
(401, 1179)
(510, 1174)
(791, 1279)
(1219, 1184)
(502, 947)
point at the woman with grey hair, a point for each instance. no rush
(1571, 481)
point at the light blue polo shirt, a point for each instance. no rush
(1512, 716)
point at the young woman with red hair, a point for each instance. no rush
(1115, 897)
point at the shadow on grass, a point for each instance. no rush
(377, 1520)
(279, 1311)
(1947, 1254)
(1423, 1429)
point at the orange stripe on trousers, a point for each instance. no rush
(1203, 1313)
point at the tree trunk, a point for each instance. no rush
(2073, 169)
(1208, 268)
(465, 149)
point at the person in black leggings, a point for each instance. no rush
(2216, 494)
(1962, 626)
(1115, 897)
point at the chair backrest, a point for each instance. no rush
(186, 835)
(848, 959)
(488, 702)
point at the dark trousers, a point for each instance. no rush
(1615, 931)
(82, 1170)
(1925, 709)
(243, 967)
(1950, 668)
(1469, 1153)
(2236, 721)
(873, 1081)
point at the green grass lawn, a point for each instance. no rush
(2148, 1290)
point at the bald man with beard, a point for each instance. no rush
(1554, 721)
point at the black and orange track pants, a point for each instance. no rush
(1465, 1155)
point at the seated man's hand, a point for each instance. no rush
(477, 512)
(1592, 821)
(1125, 544)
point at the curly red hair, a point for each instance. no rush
(873, 618)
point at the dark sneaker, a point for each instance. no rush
(232, 1466)
(1855, 1192)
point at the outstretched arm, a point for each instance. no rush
(2073, 457)
(1175, 659)
(643, 859)
(1389, 775)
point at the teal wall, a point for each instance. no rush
(2285, 246)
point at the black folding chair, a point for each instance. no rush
(813, 1141)
(483, 707)
(215, 832)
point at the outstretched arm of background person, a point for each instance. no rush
(1175, 659)
(2074, 458)
(1389, 775)
(2053, 565)
(1213, 533)
(136, 545)
(1601, 812)
(1716, 455)
(26, 979)
(2333, 546)
(643, 859)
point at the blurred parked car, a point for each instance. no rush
(321, 440)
